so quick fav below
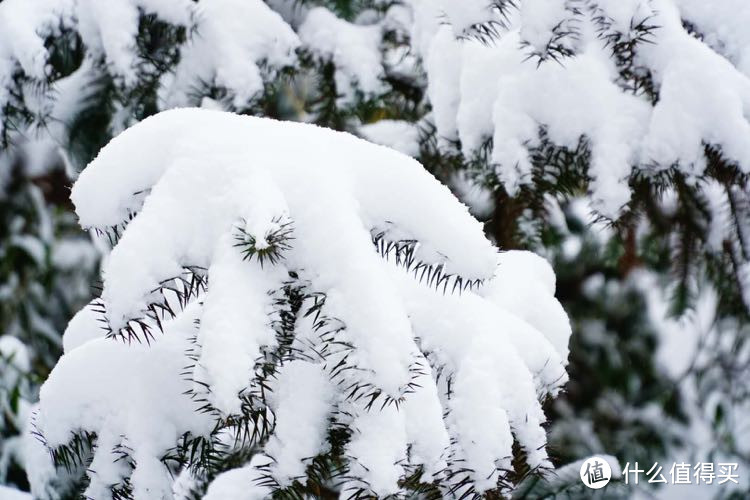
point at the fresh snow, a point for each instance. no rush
(233, 40)
(400, 135)
(354, 50)
(120, 391)
(183, 184)
(240, 483)
(477, 90)
(7, 493)
(500, 91)
(191, 178)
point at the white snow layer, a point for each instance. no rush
(107, 29)
(234, 38)
(189, 178)
(119, 391)
(478, 91)
(233, 45)
(400, 135)
(354, 50)
(496, 91)
(8, 493)
(237, 46)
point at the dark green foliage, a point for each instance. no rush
(624, 47)
(434, 276)
(489, 31)
(684, 231)
(272, 246)
(616, 385)
(171, 297)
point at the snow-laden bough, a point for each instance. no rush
(303, 302)
(626, 86)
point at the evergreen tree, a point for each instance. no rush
(635, 107)
(277, 353)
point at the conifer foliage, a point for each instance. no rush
(638, 103)
(633, 109)
(283, 311)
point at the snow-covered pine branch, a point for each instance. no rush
(303, 307)
(645, 93)
(652, 89)
(640, 103)
(142, 56)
